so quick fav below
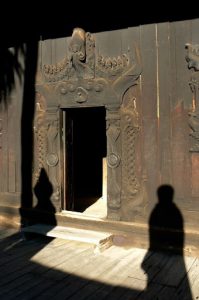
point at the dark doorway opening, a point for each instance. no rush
(85, 152)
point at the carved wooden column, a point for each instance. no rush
(47, 146)
(52, 154)
(114, 163)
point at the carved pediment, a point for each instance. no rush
(83, 62)
(80, 62)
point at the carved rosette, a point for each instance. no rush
(192, 58)
(114, 163)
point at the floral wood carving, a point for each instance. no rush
(192, 58)
(80, 62)
(133, 184)
(39, 138)
(130, 129)
(83, 63)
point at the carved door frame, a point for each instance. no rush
(85, 79)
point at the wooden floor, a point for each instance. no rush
(45, 268)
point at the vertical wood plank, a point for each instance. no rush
(46, 52)
(11, 146)
(61, 49)
(4, 177)
(163, 102)
(109, 44)
(149, 109)
(180, 104)
(194, 156)
(17, 124)
(1, 154)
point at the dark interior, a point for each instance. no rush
(85, 137)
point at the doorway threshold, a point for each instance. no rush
(83, 215)
(98, 210)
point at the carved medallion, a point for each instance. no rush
(113, 160)
(52, 159)
(81, 95)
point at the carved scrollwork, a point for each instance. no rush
(113, 161)
(80, 62)
(133, 182)
(40, 144)
(112, 66)
(130, 129)
(192, 57)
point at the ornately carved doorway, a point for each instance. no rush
(89, 79)
(84, 145)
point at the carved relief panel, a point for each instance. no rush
(86, 78)
(46, 145)
(192, 58)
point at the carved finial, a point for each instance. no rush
(192, 56)
(77, 44)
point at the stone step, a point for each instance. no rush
(100, 240)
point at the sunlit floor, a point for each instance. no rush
(98, 209)
(44, 268)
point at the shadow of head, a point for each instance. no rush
(166, 222)
(165, 195)
(43, 192)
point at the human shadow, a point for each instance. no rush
(43, 191)
(164, 262)
(40, 219)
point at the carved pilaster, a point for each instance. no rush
(133, 193)
(40, 143)
(192, 58)
(114, 163)
(52, 156)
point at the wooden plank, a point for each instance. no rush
(46, 52)
(194, 31)
(195, 175)
(189, 288)
(180, 104)
(108, 44)
(11, 146)
(173, 271)
(149, 109)
(163, 102)
(1, 154)
(4, 176)
(61, 49)
(101, 240)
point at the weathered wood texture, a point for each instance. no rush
(10, 142)
(164, 100)
(48, 269)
